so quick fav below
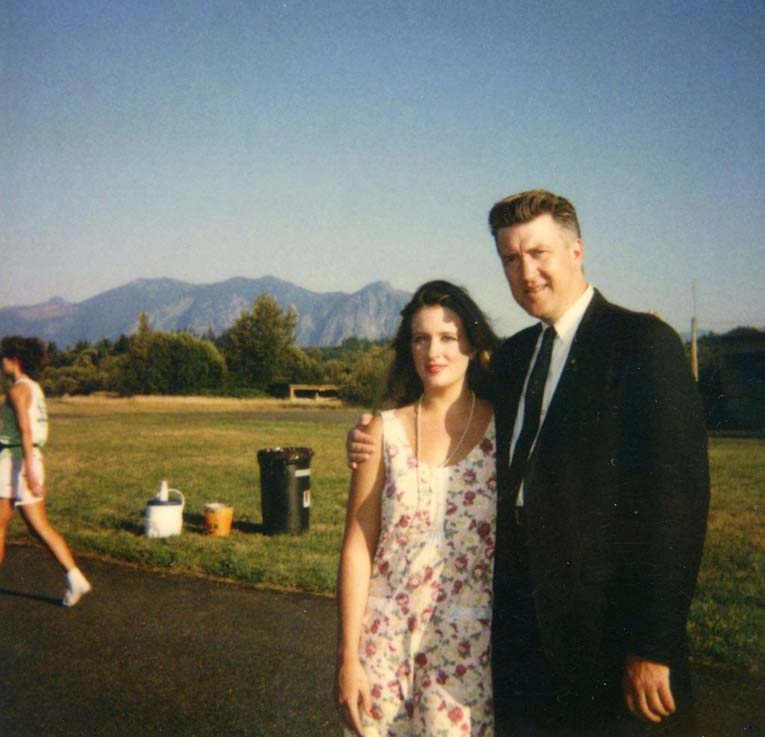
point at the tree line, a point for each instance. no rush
(257, 353)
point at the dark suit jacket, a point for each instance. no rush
(616, 496)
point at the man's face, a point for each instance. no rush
(543, 265)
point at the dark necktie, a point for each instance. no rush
(532, 408)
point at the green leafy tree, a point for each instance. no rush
(298, 367)
(81, 376)
(169, 363)
(112, 371)
(179, 363)
(366, 380)
(336, 371)
(134, 380)
(258, 346)
(56, 357)
(121, 346)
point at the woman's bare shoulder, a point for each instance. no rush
(405, 413)
(375, 424)
(19, 391)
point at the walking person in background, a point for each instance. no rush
(415, 575)
(22, 475)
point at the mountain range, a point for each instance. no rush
(324, 319)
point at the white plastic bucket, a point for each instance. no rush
(165, 518)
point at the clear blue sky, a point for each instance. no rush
(337, 143)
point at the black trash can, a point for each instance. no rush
(285, 489)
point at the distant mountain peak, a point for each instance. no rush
(371, 312)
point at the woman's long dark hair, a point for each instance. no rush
(30, 352)
(403, 385)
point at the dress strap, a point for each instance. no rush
(393, 430)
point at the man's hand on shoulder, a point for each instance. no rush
(358, 443)
(645, 685)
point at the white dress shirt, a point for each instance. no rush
(565, 330)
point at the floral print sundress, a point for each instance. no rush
(425, 637)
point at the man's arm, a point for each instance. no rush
(359, 444)
(666, 496)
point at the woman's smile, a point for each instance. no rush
(440, 349)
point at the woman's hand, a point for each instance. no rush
(352, 687)
(34, 479)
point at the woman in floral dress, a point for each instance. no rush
(415, 577)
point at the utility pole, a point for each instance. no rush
(694, 338)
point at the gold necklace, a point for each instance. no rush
(456, 447)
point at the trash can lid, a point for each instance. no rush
(286, 455)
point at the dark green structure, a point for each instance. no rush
(742, 381)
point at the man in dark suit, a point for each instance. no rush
(603, 494)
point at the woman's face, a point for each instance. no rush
(8, 366)
(440, 349)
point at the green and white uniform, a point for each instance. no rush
(13, 483)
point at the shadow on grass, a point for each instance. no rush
(728, 701)
(244, 526)
(130, 526)
(33, 597)
(194, 523)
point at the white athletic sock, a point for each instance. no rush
(78, 586)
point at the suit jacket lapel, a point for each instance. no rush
(584, 350)
(511, 380)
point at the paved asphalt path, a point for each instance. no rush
(161, 654)
(152, 654)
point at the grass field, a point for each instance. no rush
(105, 459)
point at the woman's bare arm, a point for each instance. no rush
(362, 531)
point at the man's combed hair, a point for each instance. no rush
(525, 206)
(30, 352)
(403, 384)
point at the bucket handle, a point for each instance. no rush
(183, 498)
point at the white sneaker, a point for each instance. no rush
(78, 587)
